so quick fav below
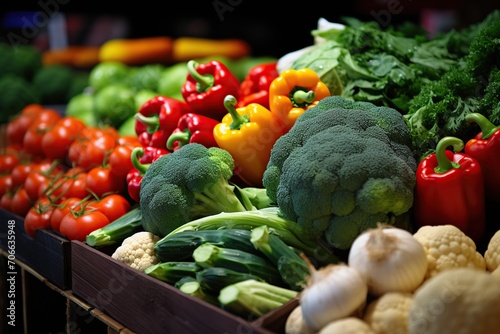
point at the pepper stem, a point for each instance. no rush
(182, 137)
(301, 97)
(445, 164)
(138, 152)
(151, 122)
(203, 82)
(487, 128)
(238, 120)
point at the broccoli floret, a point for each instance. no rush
(22, 60)
(190, 183)
(343, 158)
(16, 94)
(53, 83)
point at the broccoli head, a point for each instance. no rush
(16, 94)
(53, 83)
(341, 162)
(190, 183)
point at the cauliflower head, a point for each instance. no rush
(458, 300)
(492, 253)
(137, 251)
(448, 247)
(388, 314)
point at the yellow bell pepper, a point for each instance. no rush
(294, 91)
(248, 133)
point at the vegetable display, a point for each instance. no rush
(255, 86)
(342, 168)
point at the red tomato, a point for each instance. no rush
(129, 140)
(20, 172)
(120, 161)
(38, 179)
(38, 216)
(72, 183)
(6, 201)
(7, 162)
(32, 141)
(5, 184)
(91, 149)
(101, 181)
(56, 141)
(113, 206)
(21, 202)
(18, 126)
(76, 226)
(61, 210)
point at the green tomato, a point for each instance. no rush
(108, 73)
(114, 104)
(81, 106)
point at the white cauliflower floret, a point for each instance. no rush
(448, 247)
(388, 314)
(137, 251)
(492, 254)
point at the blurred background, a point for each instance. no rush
(50, 24)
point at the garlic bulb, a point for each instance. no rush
(333, 292)
(391, 259)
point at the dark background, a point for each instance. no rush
(270, 31)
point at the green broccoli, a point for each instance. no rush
(343, 162)
(16, 94)
(53, 82)
(190, 183)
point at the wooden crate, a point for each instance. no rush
(48, 253)
(147, 305)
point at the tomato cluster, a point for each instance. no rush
(58, 173)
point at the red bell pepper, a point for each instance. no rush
(255, 86)
(193, 128)
(141, 158)
(485, 148)
(449, 190)
(207, 85)
(157, 118)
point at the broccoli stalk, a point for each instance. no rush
(251, 297)
(218, 197)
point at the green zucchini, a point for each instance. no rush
(116, 231)
(213, 279)
(172, 272)
(180, 246)
(292, 268)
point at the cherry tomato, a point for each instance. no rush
(38, 216)
(120, 161)
(56, 141)
(62, 209)
(18, 126)
(5, 184)
(71, 183)
(76, 226)
(101, 181)
(7, 162)
(92, 148)
(6, 201)
(32, 141)
(38, 179)
(20, 172)
(21, 202)
(113, 206)
(128, 140)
